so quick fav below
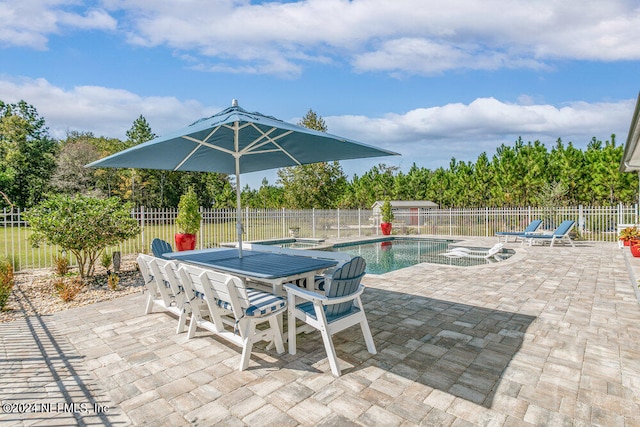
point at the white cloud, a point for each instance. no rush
(400, 37)
(103, 111)
(465, 130)
(429, 136)
(29, 23)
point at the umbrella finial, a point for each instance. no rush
(234, 102)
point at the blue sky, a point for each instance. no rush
(429, 79)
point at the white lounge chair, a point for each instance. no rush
(461, 252)
(339, 309)
(232, 311)
(164, 288)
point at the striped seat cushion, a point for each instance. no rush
(260, 303)
(307, 307)
(318, 283)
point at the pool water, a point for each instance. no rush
(293, 243)
(383, 256)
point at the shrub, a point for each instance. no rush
(387, 212)
(6, 281)
(61, 263)
(113, 280)
(189, 217)
(105, 259)
(82, 225)
(67, 291)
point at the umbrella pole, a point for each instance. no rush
(238, 214)
(238, 191)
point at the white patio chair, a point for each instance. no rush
(232, 311)
(337, 310)
(164, 287)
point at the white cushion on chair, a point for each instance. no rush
(260, 303)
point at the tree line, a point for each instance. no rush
(34, 165)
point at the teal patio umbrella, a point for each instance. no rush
(235, 141)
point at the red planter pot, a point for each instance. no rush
(185, 242)
(635, 248)
(386, 228)
(627, 242)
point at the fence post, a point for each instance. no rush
(283, 225)
(142, 226)
(359, 224)
(313, 221)
(580, 220)
(450, 222)
(486, 222)
(338, 223)
(246, 223)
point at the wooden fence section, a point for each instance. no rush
(596, 223)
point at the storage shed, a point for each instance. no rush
(406, 211)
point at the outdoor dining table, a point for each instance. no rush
(273, 269)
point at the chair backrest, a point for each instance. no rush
(159, 247)
(145, 270)
(563, 228)
(344, 281)
(494, 250)
(153, 281)
(533, 226)
(222, 291)
(226, 290)
(166, 272)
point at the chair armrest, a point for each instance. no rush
(303, 293)
(313, 296)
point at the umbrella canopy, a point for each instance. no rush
(235, 141)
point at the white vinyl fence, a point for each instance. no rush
(218, 226)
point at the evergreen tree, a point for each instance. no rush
(27, 154)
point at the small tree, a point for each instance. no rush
(386, 211)
(82, 225)
(188, 220)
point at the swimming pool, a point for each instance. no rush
(390, 254)
(293, 243)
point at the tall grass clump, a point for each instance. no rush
(6, 280)
(67, 291)
(61, 263)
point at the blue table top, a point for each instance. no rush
(263, 265)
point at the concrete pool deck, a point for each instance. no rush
(550, 336)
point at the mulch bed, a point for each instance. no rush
(34, 292)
